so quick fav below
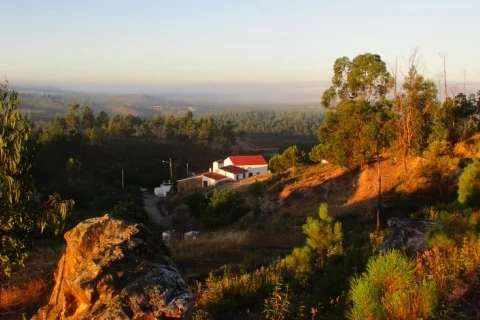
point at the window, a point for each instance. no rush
(244, 174)
(258, 173)
(250, 174)
(237, 177)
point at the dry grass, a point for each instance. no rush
(312, 177)
(393, 178)
(29, 288)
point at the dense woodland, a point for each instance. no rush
(337, 270)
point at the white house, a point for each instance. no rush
(212, 178)
(233, 168)
(163, 189)
(254, 165)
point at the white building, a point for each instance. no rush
(163, 189)
(233, 168)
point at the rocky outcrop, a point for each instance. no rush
(407, 235)
(113, 269)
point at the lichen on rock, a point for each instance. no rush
(112, 269)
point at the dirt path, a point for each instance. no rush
(154, 213)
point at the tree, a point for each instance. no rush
(413, 109)
(389, 290)
(324, 236)
(469, 185)
(357, 126)
(88, 118)
(72, 117)
(275, 164)
(292, 157)
(207, 131)
(19, 221)
(102, 120)
(225, 206)
(74, 168)
(366, 77)
(158, 124)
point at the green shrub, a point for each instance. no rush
(389, 290)
(256, 189)
(197, 204)
(226, 206)
(130, 211)
(299, 263)
(469, 185)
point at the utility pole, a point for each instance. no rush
(171, 171)
(122, 179)
(187, 168)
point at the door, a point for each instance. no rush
(205, 183)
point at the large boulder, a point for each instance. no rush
(113, 269)
(407, 235)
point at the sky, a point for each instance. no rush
(105, 43)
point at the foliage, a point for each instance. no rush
(291, 157)
(275, 164)
(277, 306)
(225, 206)
(469, 185)
(197, 204)
(20, 221)
(365, 77)
(273, 122)
(438, 167)
(256, 188)
(324, 241)
(129, 210)
(353, 132)
(299, 263)
(228, 291)
(389, 290)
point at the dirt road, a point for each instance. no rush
(150, 200)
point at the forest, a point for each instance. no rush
(308, 241)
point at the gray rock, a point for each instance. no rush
(112, 269)
(407, 235)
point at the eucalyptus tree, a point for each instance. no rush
(19, 219)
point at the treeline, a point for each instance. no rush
(362, 121)
(276, 123)
(102, 129)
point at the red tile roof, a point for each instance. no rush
(247, 160)
(233, 169)
(214, 176)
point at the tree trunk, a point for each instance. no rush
(379, 203)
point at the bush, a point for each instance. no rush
(389, 290)
(256, 189)
(128, 210)
(299, 263)
(469, 185)
(438, 167)
(197, 204)
(226, 206)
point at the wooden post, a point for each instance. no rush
(122, 180)
(171, 171)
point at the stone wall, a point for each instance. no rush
(189, 184)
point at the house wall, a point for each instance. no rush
(227, 162)
(227, 174)
(256, 170)
(211, 182)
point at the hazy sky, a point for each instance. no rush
(185, 42)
